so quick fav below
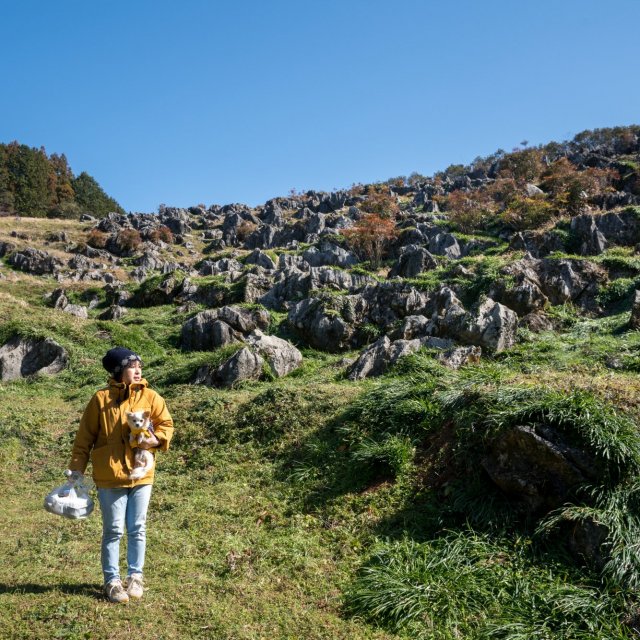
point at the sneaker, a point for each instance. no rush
(115, 591)
(135, 586)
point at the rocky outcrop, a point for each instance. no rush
(34, 261)
(328, 254)
(214, 328)
(324, 323)
(594, 233)
(23, 357)
(530, 284)
(381, 355)
(535, 466)
(243, 365)
(281, 356)
(58, 300)
(634, 321)
(412, 261)
(491, 325)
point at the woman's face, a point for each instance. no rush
(132, 373)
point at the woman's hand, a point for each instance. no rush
(148, 443)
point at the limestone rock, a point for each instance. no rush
(634, 322)
(22, 357)
(213, 328)
(244, 365)
(534, 466)
(281, 355)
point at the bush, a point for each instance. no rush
(469, 211)
(370, 237)
(616, 291)
(380, 201)
(162, 233)
(528, 213)
(128, 240)
(97, 239)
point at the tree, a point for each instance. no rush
(91, 197)
(28, 173)
(370, 237)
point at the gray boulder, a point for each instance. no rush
(78, 310)
(261, 259)
(281, 356)
(223, 266)
(536, 467)
(596, 232)
(634, 321)
(329, 254)
(214, 328)
(256, 286)
(22, 357)
(570, 280)
(34, 261)
(337, 279)
(322, 324)
(459, 356)
(114, 312)
(492, 325)
(413, 260)
(381, 355)
(445, 244)
(243, 365)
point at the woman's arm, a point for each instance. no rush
(86, 436)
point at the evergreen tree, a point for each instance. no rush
(90, 196)
(28, 179)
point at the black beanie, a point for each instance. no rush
(118, 358)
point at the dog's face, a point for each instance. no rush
(137, 419)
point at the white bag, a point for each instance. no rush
(70, 500)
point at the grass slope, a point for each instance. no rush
(312, 507)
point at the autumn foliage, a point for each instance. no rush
(469, 210)
(370, 237)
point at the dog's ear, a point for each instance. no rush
(128, 413)
(146, 414)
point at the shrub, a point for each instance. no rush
(616, 291)
(528, 213)
(469, 210)
(370, 237)
(67, 210)
(380, 201)
(245, 229)
(162, 233)
(97, 239)
(521, 166)
(128, 239)
(570, 188)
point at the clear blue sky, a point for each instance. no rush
(182, 102)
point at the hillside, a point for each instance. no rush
(403, 410)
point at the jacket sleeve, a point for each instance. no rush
(86, 436)
(162, 422)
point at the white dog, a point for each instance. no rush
(140, 428)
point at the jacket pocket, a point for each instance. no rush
(107, 466)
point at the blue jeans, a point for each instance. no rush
(120, 508)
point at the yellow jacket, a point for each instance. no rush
(103, 434)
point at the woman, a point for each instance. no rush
(103, 436)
